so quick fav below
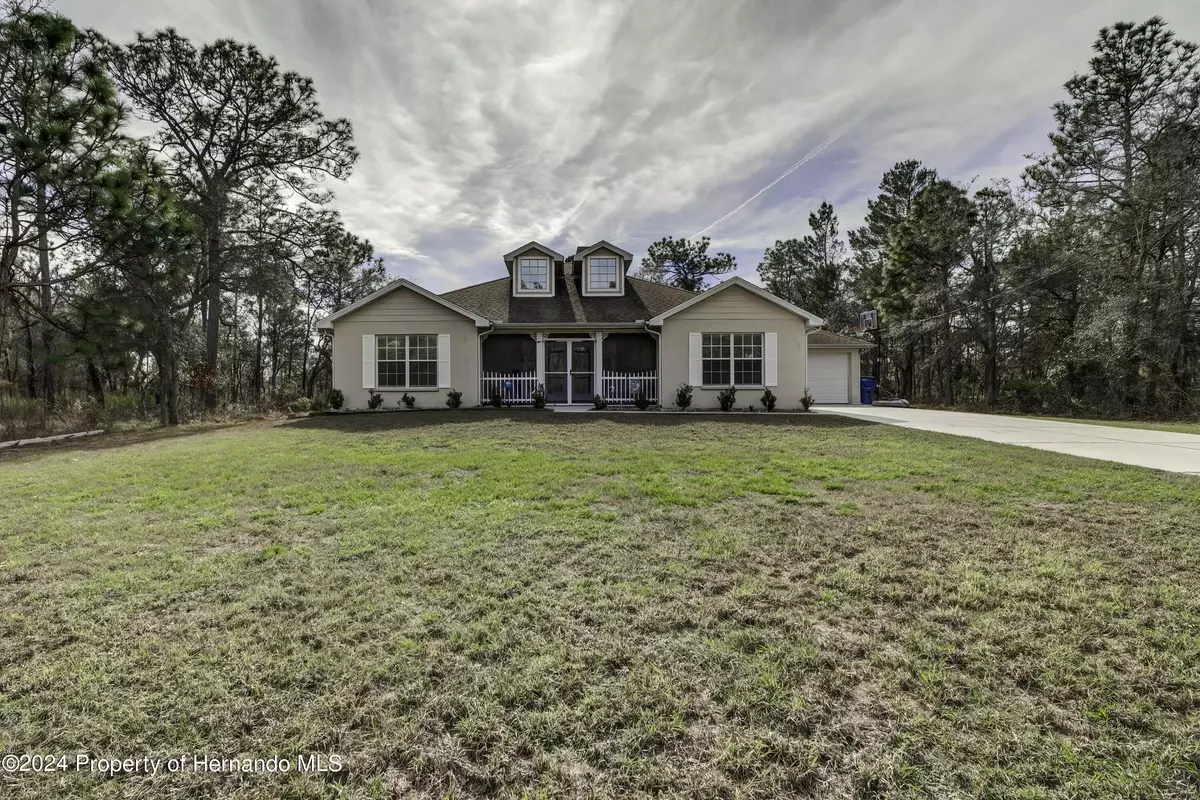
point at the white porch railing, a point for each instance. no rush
(617, 387)
(519, 390)
(620, 387)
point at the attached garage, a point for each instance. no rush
(833, 367)
(829, 376)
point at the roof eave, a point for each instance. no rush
(556, 326)
(605, 244)
(846, 346)
(509, 256)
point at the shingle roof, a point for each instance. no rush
(829, 338)
(494, 300)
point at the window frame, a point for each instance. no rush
(616, 287)
(727, 343)
(409, 346)
(547, 264)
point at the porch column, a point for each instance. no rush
(599, 356)
(540, 350)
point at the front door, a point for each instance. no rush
(583, 370)
(570, 371)
(558, 369)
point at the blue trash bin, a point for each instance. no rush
(866, 391)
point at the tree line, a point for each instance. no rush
(1074, 290)
(185, 267)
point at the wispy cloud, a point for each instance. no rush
(485, 124)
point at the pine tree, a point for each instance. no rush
(684, 263)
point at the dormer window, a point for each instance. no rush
(602, 274)
(601, 269)
(533, 274)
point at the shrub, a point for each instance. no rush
(1028, 397)
(807, 400)
(599, 402)
(768, 400)
(408, 400)
(683, 395)
(641, 400)
(726, 398)
(283, 397)
(319, 403)
(300, 405)
(453, 399)
(375, 400)
(539, 396)
(336, 399)
(22, 417)
(495, 398)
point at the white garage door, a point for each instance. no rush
(829, 376)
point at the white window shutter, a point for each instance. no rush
(444, 361)
(695, 362)
(369, 361)
(771, 359)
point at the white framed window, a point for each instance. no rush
(406, 361)
(602, 274)
(533, 275)
(732, 359)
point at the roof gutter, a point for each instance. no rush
(548, 327)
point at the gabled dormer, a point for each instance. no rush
(533, 267)
(602, 269)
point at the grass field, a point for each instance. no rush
(531, 605)
(1179, 426)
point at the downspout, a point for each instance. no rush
(479, 361)
(804, 388)
(657, 359)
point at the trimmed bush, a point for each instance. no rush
(683, 395)
(375, 400)
(768, 400)
(539, 396)
(453, 399)
(641, 400)
(300, 405)
(726, 398)
(599, 402)
(408, 401)
(337, 399)
(807, 400)
(496, 399)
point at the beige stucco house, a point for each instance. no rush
(580, 326)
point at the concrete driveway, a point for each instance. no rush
(1165, 450)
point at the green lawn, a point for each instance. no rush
(482, 604)
(1149, 425)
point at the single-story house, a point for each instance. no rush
(580, 326)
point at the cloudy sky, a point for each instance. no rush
(486, 123)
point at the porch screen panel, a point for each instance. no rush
(509, 353)
(629, 352)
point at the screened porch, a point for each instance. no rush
(573, 367)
